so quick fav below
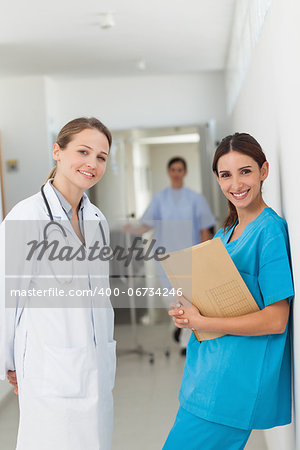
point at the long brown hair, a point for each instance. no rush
(242, 143)
(75, 126)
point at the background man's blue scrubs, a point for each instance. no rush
(244, 382)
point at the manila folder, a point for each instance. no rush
(210, 280)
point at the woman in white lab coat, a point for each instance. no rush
(58, 348)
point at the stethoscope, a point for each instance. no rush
(59, 225)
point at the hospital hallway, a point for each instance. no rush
(145, 394)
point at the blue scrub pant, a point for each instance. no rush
(190, 432)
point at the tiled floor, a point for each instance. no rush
(145, 395)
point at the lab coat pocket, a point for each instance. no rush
(65, 372)
(111, 363)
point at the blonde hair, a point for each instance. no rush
(74, 127)
(51, 174)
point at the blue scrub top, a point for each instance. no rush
(178, 216)
(245, 381)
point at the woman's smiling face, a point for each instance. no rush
(240, 179)
(83, 161)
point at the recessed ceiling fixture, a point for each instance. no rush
(187, 138)
(141, 64)
(107, 20)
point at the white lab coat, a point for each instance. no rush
(64, 353)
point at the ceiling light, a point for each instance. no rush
(141, 64)
(188, 138)
(107, 20)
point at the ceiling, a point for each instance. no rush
(63, 37)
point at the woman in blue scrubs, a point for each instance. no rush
(241, 381)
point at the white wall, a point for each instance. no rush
(23, 128)
(144, 101)
(268, 108)
(1, 206)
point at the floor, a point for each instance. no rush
(145, 394)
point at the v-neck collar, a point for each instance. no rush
(90, 216)
(246, 230)
(65, 204)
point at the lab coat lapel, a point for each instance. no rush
(91, 224)
(53, 201)
(91, 220)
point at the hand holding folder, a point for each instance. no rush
(210, 281)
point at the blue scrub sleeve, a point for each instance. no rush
(204, 216)
(275, 276)
(152, 212)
